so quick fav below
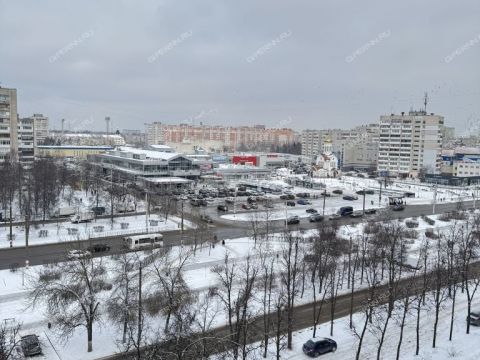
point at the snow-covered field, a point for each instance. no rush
(66, 231)
(199, 277)
(462, 346)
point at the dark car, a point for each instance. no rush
(337, 192)
(98, 210)
(222, 208)
(31, 345)
(370, 211)
(345, 211)
(311, 211)
(303, 202)
(325, 193)
(293, 220)
(287, 197)
(315, 218)
(317, 347)
(246, 206)
(398, 207)
(474, 318)
(290, 203)
(350, 197)
(98, 248)
(206, 218)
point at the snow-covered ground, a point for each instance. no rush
(462, 346)
(66, 231)
(199, 277)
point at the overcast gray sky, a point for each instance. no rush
(300, 64)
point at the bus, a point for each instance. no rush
(144, 241)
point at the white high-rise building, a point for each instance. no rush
(8, 124)
(410, 144)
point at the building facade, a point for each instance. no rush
(231, 137)
(461, 162)
(410, 145)
(8, 124)
(69, 151)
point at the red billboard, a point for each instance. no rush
(244, 160)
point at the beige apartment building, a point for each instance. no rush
(410, 144)
(8, 123)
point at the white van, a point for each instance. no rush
(144, 241)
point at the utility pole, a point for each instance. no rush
(434, 198)
(140, 320)
(182, 214)
(324, 196)
(363, 201)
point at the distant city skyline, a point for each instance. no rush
(300, 65)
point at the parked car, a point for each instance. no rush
(230, 200)
(292, 220)
(246, 207)
(370, 211)
(98, 210)
(304, 202)
(398, 207)
(31, 345)
(254, 205)
(474, 317)
(315, 218)
(350, 197)
(356, 214)
(98, 248)
(287, 197)
(311, 211)
(337, 192)
(319, 346)
(222, 208)
(335, 217)
(325, 193)
(206, 218)
(345, 211)
(78, 254)
(268, 205)
(290, 203)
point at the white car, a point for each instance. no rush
(78, 254)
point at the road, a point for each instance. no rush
(223, 229)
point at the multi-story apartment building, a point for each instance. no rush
(40, 127)
(231, 137)
(410, 144)
(355, 148)
(8, 124)
(26, 140)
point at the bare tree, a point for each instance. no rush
(71, 292)
(9, 340)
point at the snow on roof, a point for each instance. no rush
(167, 179)
(149, 154)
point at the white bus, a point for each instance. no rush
(144, 241)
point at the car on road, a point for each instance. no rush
(31, 345)
(98, 248)
(246, 207)
(222, 208)
(356, 214)
(474, 317)
(304, 202)
(345, 210)
(370, 211)
(315, 218)
(319, 346)
(325, 193)
(78, 254)
(398, 207)
(206, 218)
(337, 192)
(292, 220)
(290, 203)
(311, 211)
(287, 197)
(350, 197)
(335, 217)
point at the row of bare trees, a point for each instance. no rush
(254, 300)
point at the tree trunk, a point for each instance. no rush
(454, 295)
(359, 348)
(90, 335)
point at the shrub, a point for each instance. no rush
(430, 233)
(411, 234)
(411, 224)
(428, 220)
